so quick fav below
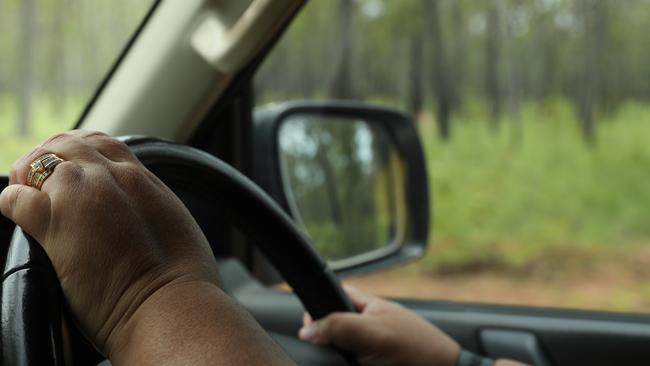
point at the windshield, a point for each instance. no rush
(53, 55)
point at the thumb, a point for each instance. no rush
(28, 207)
(348, 331)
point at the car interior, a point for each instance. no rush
(181, 96)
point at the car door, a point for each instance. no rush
(534, 252)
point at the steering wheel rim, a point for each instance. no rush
(31, 299)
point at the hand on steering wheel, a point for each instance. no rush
(129, 256)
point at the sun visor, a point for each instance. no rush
(228, 47)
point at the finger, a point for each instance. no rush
(118, 152)
(359, 298)
(64, 177)
(28, 207)
(306, 319)
(347, 331)
(67, 146)
(110, 147)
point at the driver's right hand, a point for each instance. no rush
(382, 333)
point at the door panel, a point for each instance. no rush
(564, 337)
(513, 344)
(542, 336)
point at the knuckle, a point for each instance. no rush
(34, 206)
(20, 200)
(111, 148)
(113, 144)
(331, 326)
(19, 169)
(14, 198)
(130, 169)
(90, 133)
(129, 175)
(13, 172)
(56, 138)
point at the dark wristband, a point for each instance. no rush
(467, 358)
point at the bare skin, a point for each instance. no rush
(137, 272)
(384, 333)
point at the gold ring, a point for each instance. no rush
(41, 169)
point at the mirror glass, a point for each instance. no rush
(344, 183)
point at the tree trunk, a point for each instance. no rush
(458, 53)
(2, 31)
(514, 90)
(415, 85)
(342, 84)
(330, 185)
(3, 76)
(440, 78)
(58, 90)
(588, 76)
(25, 78)
(604, 92)
(492, 55)
(548, 46)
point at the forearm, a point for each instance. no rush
(194, 324)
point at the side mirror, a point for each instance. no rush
(351, 175)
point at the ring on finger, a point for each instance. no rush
(41, 169)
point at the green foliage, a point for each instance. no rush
(47, 120)
(505, 200)
(52, 56)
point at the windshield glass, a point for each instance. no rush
(535, 120)
(53, 54)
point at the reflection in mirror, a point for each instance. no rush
(344, 183)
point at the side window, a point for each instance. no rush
(53, 54)
(535, 118)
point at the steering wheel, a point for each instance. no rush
(34, 327)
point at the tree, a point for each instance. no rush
(492, 55)
(25, 79)
(592, 48)
(2, 63)
(514, 75)
(415, 85)
(342, 84)
(57, 60)
(440, 84)
(458, 39)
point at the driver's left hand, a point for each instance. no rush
(134, 266)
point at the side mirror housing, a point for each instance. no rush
(351, 175)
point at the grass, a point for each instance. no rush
(47, 119)
(531, 215)
(511, 198)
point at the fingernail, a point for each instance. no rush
(308, 332)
